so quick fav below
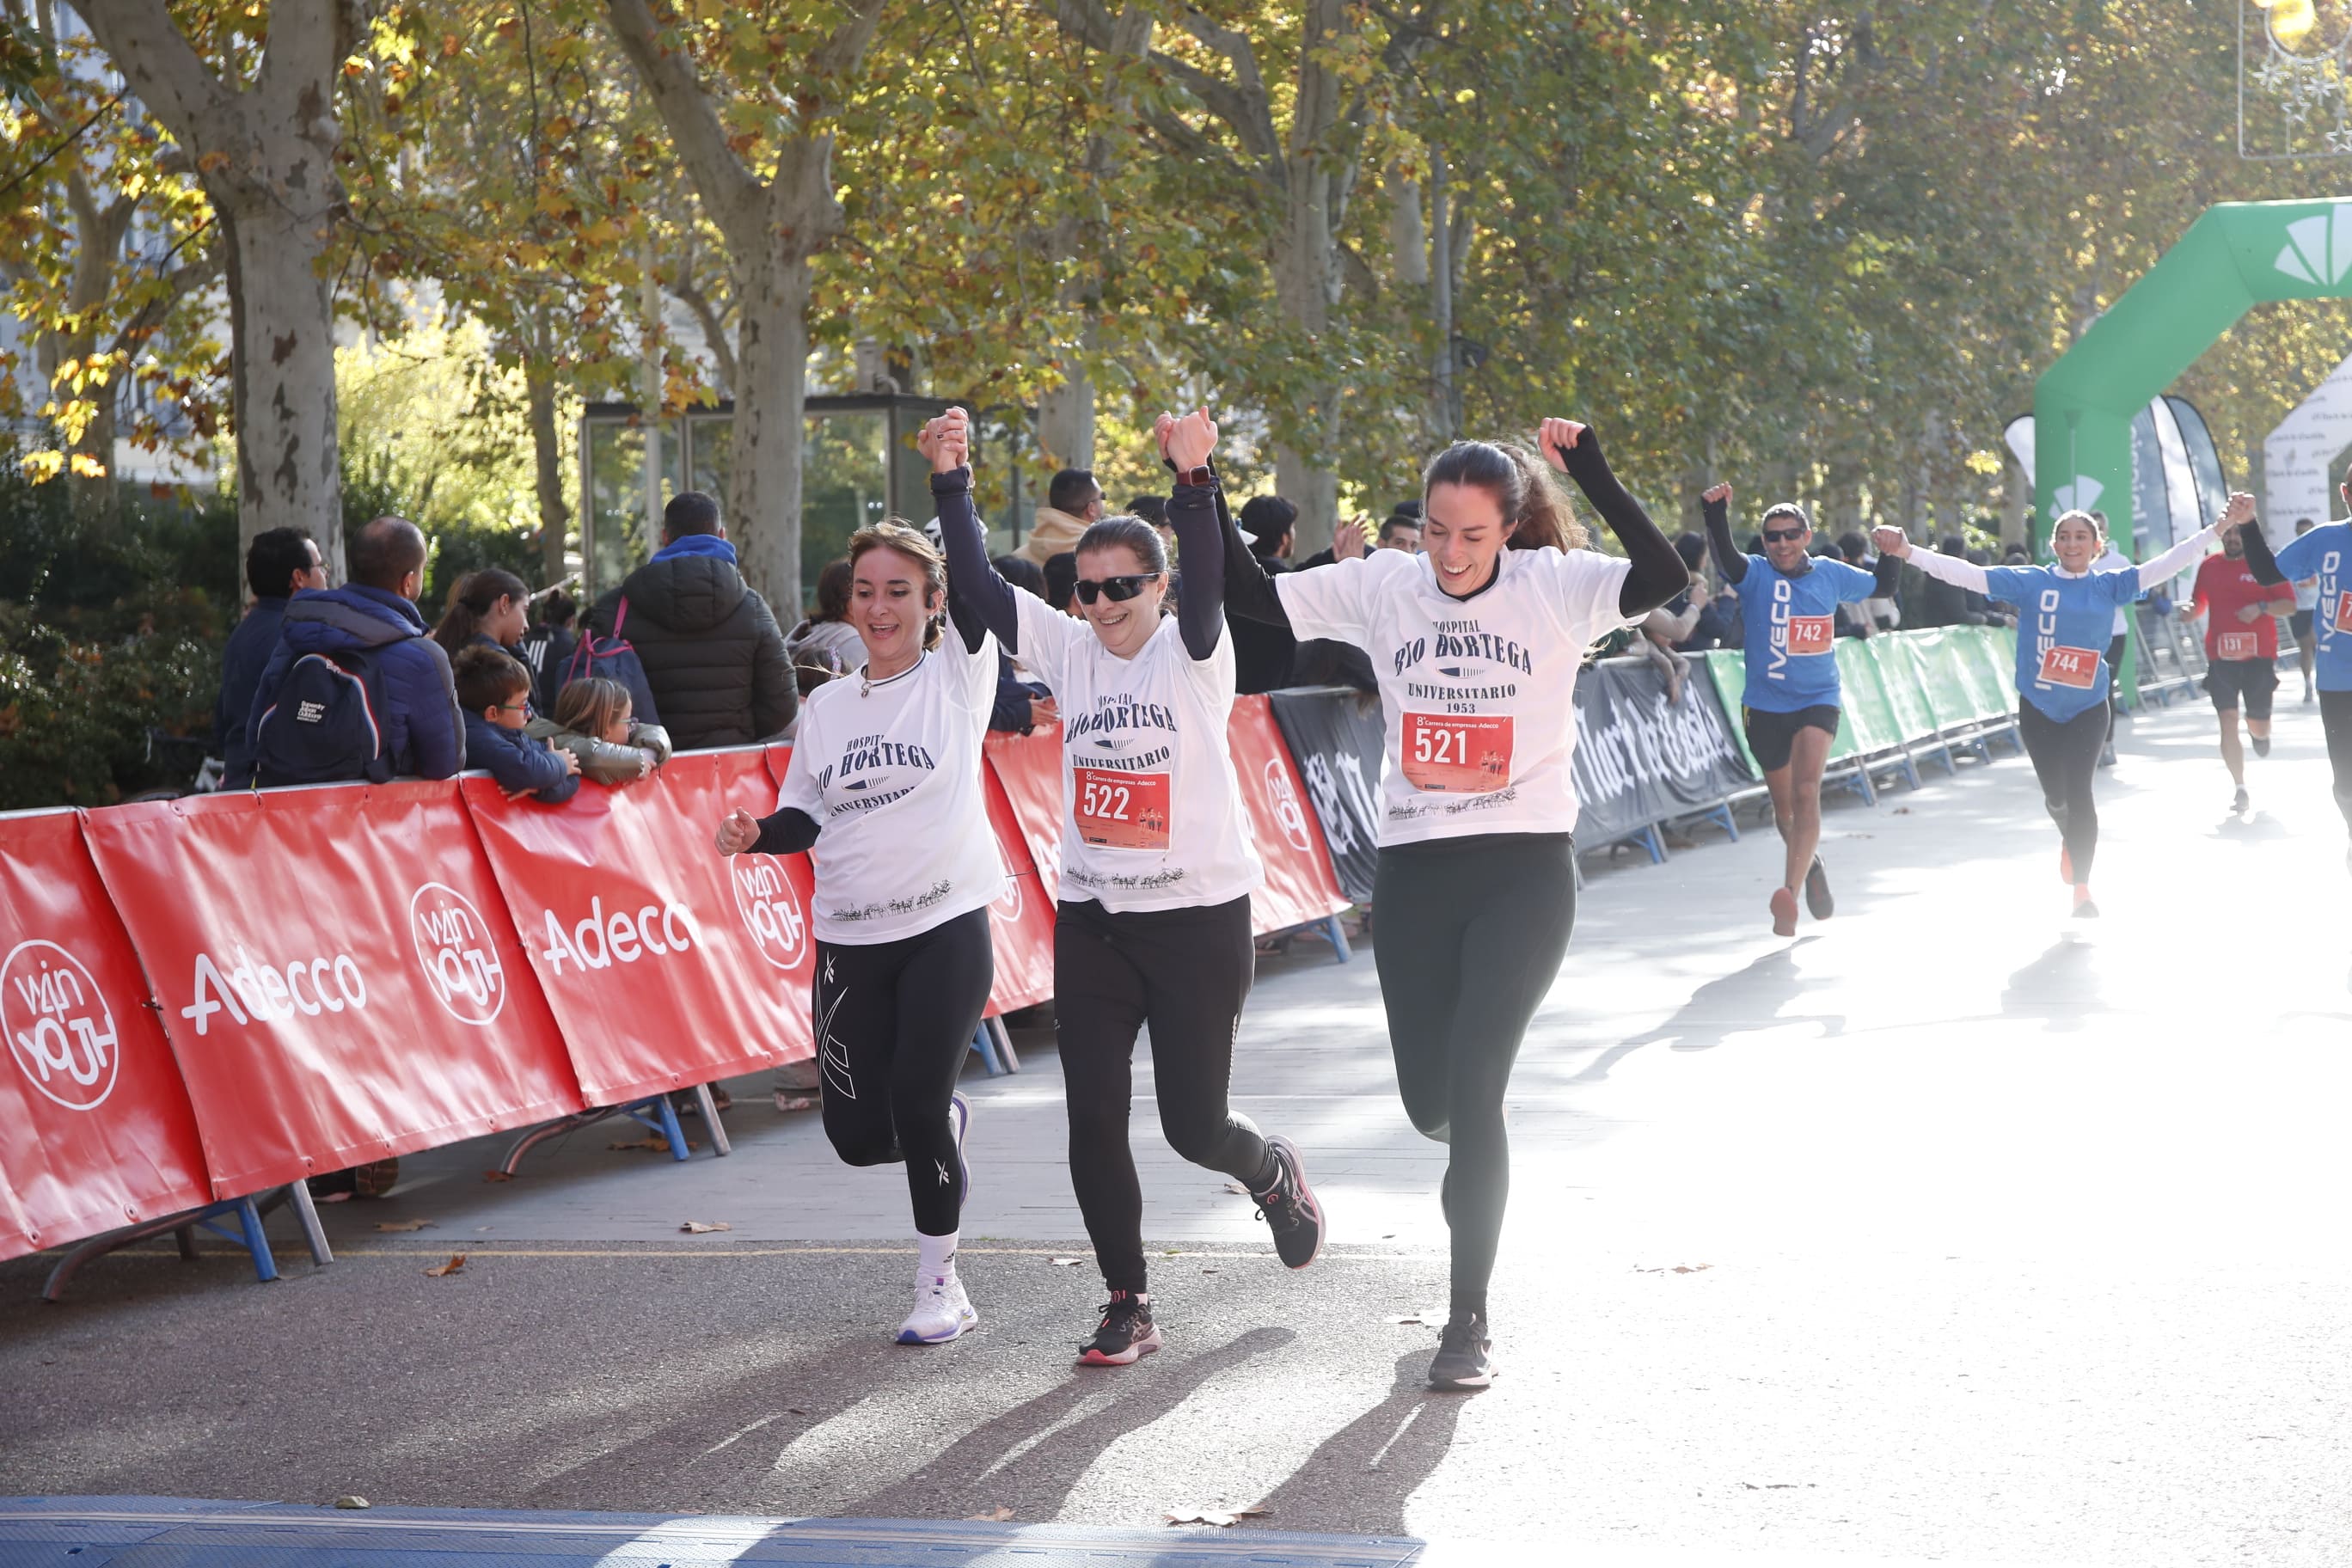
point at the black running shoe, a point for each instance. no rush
(1465, 1356)
(2087, 910)
(2262, 744)
(2240, 802)
(1289, 1209)
(1127, 1335)
(1817, 891)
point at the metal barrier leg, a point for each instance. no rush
(984, 1043)
(186, 1237)
(1729, 819)
(546, 1129)
(249, 1219)
(314, 1235)
(709, 1108)
(1004, 1037)
(1338, 934)
(1649, 839)
(667, 1114)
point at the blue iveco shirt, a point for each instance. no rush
(2322, 554)
(1791, 624)
(2063, 625)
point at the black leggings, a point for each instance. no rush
(2336, 722)
(1475, 930)
(1186, 973)
(2115, 677)
(2066, 759)
(893, 1022)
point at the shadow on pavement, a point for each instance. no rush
(1743, 1002)
(1030, 1460)
(2060, 987)
(1359, 1479)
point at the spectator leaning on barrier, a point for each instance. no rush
(375, 613)
(494, 690)
(1712, 627)
(593, 720)
(279, 563)
(713, 656)
(1073, 503)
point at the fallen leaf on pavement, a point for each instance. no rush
(661, 1143)
(350, 1502)
(402, 1224)
(1902, 811)
(1678, 1268)
(497, 1176)
(1237, 1187)
(695, 1227)
(1221, 1519)
(457, 1261)
(333, 1199)
(1432, 1320)
(996, 1515)
(1208, 1271)
(1068, 1262)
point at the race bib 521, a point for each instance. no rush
(1456, 753)
(1120, 811)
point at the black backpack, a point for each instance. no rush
(327, 723)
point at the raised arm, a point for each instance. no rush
(1895, 545)
(2259, 559)
(1889, 573)
(979, 600)
(1716, 505)
(1195, 513)
(2177, 559)
(1658, 573)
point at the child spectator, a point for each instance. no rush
(494, 691)
(594, 722)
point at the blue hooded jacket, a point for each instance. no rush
(423, 732)
(249, 648)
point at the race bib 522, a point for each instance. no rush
(1121, 811)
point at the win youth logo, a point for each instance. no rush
(58, 1026)
(1286, 809)
(2319, 249)
(454, 950)
(770, 909)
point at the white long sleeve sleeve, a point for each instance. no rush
(2170, 564)
(1949, 569)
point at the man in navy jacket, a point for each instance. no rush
(279, 563)
(423, 732)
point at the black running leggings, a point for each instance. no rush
(2336, 722)
(1474, 930)
(2066, 759)
(893, 1022)
(1186, 973)
(2115, 679)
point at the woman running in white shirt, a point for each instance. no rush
(1157, 859)
(884, 792)
(1476, 644)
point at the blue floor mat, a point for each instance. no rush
(181, 1533)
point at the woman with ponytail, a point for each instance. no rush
(884, 792)
(1477, 644)
(492, 607)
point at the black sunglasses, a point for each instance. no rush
(1783, 536)
(1118, 590)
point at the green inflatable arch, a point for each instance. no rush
(2235, 256)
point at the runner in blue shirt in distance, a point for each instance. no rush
(1788, 601)
(2065, 614)
(2322, 554)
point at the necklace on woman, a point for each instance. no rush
(867, 683)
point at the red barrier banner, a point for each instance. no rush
(1299, 883)
(1022, 921)
(1028, 769)
(338, 976)
(666, 962)
(95, 1127)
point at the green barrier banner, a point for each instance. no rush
(1966, 654)
(1890, 658)
(1868, 714)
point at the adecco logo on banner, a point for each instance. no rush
(59, 1028)
(1286, 809)
(601, 940)
(770, 909)
(272, 992)
(454, 950)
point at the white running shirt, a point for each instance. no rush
(891, 774)
(1151, 816)
(1477, 694)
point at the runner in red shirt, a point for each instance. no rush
(2240, 649)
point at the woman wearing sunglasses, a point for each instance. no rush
(1477, 644)
(2067, 612)
(1788, 603)
(884, 789)
(1157, 861)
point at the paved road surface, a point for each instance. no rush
(1951, 1230)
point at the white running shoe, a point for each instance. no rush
(942, 1312)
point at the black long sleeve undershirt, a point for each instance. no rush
(2259, 559)
(1658, 573)
(1727, 557)
(785, 832)
(1889, 573)
(1196, 512)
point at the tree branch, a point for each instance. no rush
(732, 191)
(145, 44)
